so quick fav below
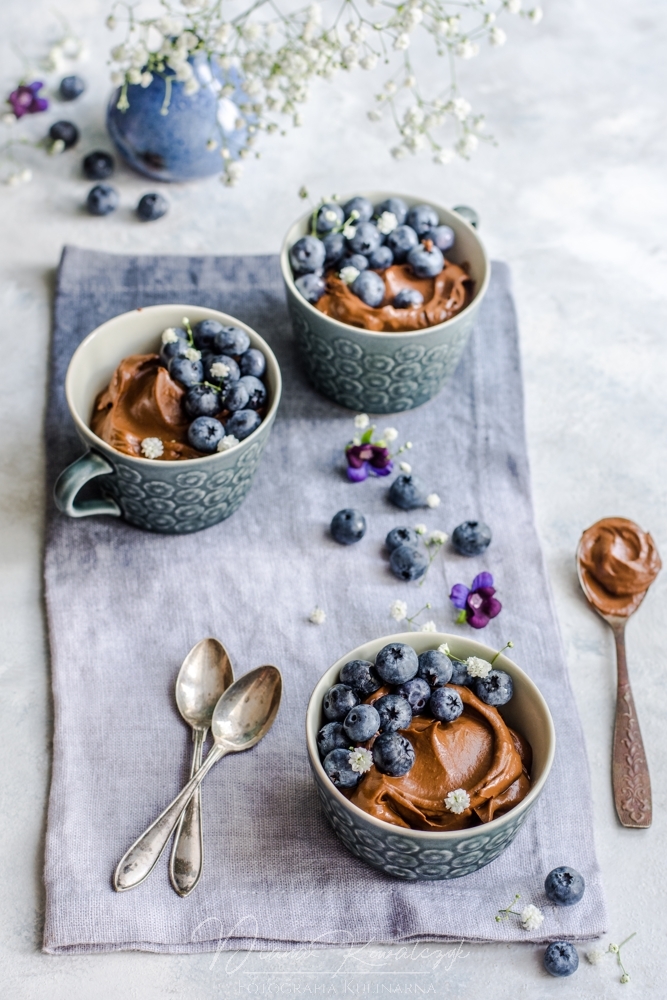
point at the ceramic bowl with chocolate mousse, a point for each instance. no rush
(175, 404)
(428, 762)
(383, 291)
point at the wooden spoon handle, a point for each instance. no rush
(630, 777)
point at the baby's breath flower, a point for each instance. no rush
(169, 336)
(317, 616)
(467, 145)
(192, 354)
(457, 801)
(348, 274)
(405, 467)
(374, 116)
(228, 441)
(443, 648)
(146, 79)
(443, 157)
(56, 147)
(438, 537)
(477, 667)
(595, 955)
(386, 223)
(428, 627)
(399, 152)
(433, 500)
(390, 433)
(361, 760)
(497, 36)
(369, 61)
(513, 6)
(535, 15)
(152, 447)
(420, 529)
(461, 108)
(531, 917)
(398, 610)
(361, 421)
(467, 49)
(219, 369)
(625, 978)
(402, 42)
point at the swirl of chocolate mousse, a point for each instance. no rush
(142, 400)
(618, 563)
(444, 296)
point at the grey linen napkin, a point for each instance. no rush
(125, 606)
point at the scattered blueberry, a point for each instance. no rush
(98, 165)
(408, 563)
(201, 401)
(233, 375)
(361, 677)
(311, 286)
(152, 207)
(369, 287)
(417, 693)
(380, 259)
(422, 218)
(205, 433)
(471, 538)
(435, 668)
(231, 340)
(365, 240)
(445, 704)
(425, 262)
(332, 737)
(235, 396)
(186, 372)
(407, 492)
(394, 205)
(394, 711)
(65, 132)
(406, 298)
(393, 754)
(442, 236)
(348, 526)
(360, 205)
(361, 723)
(256, 392)
(242, 423)
(396, 663)
(339, 770)
(401, 536)
(102, 199)
(204, 334)
(564, 886)
(252, 362)
(355, 260)
(467, 213)
(401, 241)
(494, 689)
(338, 701)
(328, 217)
(561, 958)
(334, 247)
(460, 674)
(307, 255)
(71, 87)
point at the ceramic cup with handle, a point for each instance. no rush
(172, 497)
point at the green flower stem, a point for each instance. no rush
(508, 645)
(504, 914)
(418, 613)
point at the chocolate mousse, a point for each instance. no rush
(618, 563)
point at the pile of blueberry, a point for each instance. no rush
(358, 240)
(420, 686)
(226, 397)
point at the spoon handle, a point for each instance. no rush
(187, 853)
(139, 861)
(630, 777)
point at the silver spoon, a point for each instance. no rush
(205, 675)
(244, 715)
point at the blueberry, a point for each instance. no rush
(231, 340)
(242, 423)
(205, 332)
(252, 362)
(186, 372)
(445, 704)
(328, 217)
(200, 401)
(467, 213)
(311, 286)
(71, 87)
(407, 492)
(435, 668)
(361, 677)
(98, 165)
(408, 563)
(339, 770)
(442, 236)
(396, 663)
(494, 689)
(348, 526)
(235, 396)
(256, 392)
(369, 287)
(307, 255)
(401, 536)
(176, 347)
(471, 538)
(338, 701)
(564, 886)
(65, 132)
(233, 375)
(366, 239)
(334, 248)
(406, 298)
(332, 737)
(561, 958)
(102, 199)
(401, 241)
(394, 205)
(360, 205)
(417, 693)
(355, 260)
(395, 713)
(380, 259)
(361, 723)
(422, 218)
(393, 754)
(205, 433)
(424, 262)
(152, 207)
(460, 674)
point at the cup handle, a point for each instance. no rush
(76, 475)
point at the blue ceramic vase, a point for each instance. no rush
(173, 140)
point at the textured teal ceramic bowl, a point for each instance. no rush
(169, 497)
(426, 855)
(385, 372)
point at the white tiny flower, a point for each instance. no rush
(467, 49)
(223, 34)
(399, 152)
(349, 230)
(369, 61)
(375, 116)
(467, 145)
(219, 369)
(348, 274)
(405, 467)
(9, 118)
(433, 500)
(457, 801)
(387, 223)
(535, 15)
(211, 145)
(410, 81)
(531, 917)
(390, 87)
(133, 76)
(118, 53)
(110, 22)
(625, 978)
(414, 16)
(57, 147)
(513, 6)
(398, 610)
(317, 616)
(595, 955)
(152, 448)
(438, 537)
(477, 667)
(169, 336)
(420, 529)
(192, 354)
(402, 42)
(489, 18)
(228, 441)
(25, 175)
(146, 79)
(461, 108)
(361, 421)
(428, 627)
(408, 444)
(443, 157)
(443, 648)
(361, 760)
(390, 434)
(497, 36)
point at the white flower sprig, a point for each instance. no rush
(457, 801)
(398, 610)
(317, 616)
(596, 955)
(361, 760)
(531, 917)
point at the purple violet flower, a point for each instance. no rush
(477, 603)
(24, 99)
(363, 459)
